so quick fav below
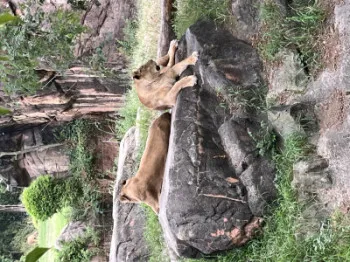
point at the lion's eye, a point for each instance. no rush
(158, 68)
(124, 182)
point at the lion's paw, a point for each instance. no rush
(194, 57)
(191, 80)
(174, 43)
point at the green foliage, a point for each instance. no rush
(8, 198)
(47, 195)
(43, 197)
(129, 43)
(5, 18)
(154, 237)
(19, 242)
(40, 38)
(300, 29)
(10, 224)
(265, 140)
(87, 202)
(5, 259)
(147, 29)
(35, 254)
(4, 111)
(129, 116)
(90, 203)
(189, 11)
(76, 134)
(79, 250)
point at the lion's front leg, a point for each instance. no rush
(171, 96)
(169, 59)
(181, 66)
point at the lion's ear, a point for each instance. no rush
(136, 74)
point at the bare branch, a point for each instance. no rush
(28, 150)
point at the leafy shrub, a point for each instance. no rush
(47, 195)
(79, 250)
(129, 43)
(76, 134)
(5, 259)
(43, 197)
(39, 38)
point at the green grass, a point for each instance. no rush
(299, 29)
(76, 134)
(49, 230)
(154, 237)
(141, 36)
(4, 111)
(190, 11)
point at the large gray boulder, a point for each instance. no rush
(216, 185)
(70, 232)
(128, 243)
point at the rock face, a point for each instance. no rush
(216, 185)
(70, 232)
(127, 242)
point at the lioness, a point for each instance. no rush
(157, 88)
(146, 185)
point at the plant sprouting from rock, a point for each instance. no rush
(39, 40)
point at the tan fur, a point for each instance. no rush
(146, 185)
(32, 239)
(157, 88)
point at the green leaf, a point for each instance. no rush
(4, 111)
(4, 18)
(35, 254)
(4, 58)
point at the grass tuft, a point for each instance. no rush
(190, 11)
(280, 240)
(299, 29)
(154, 237)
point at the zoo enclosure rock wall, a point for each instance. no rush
(216, 185)
(127, 243)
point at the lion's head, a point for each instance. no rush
(148, 71)
(129, 192)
